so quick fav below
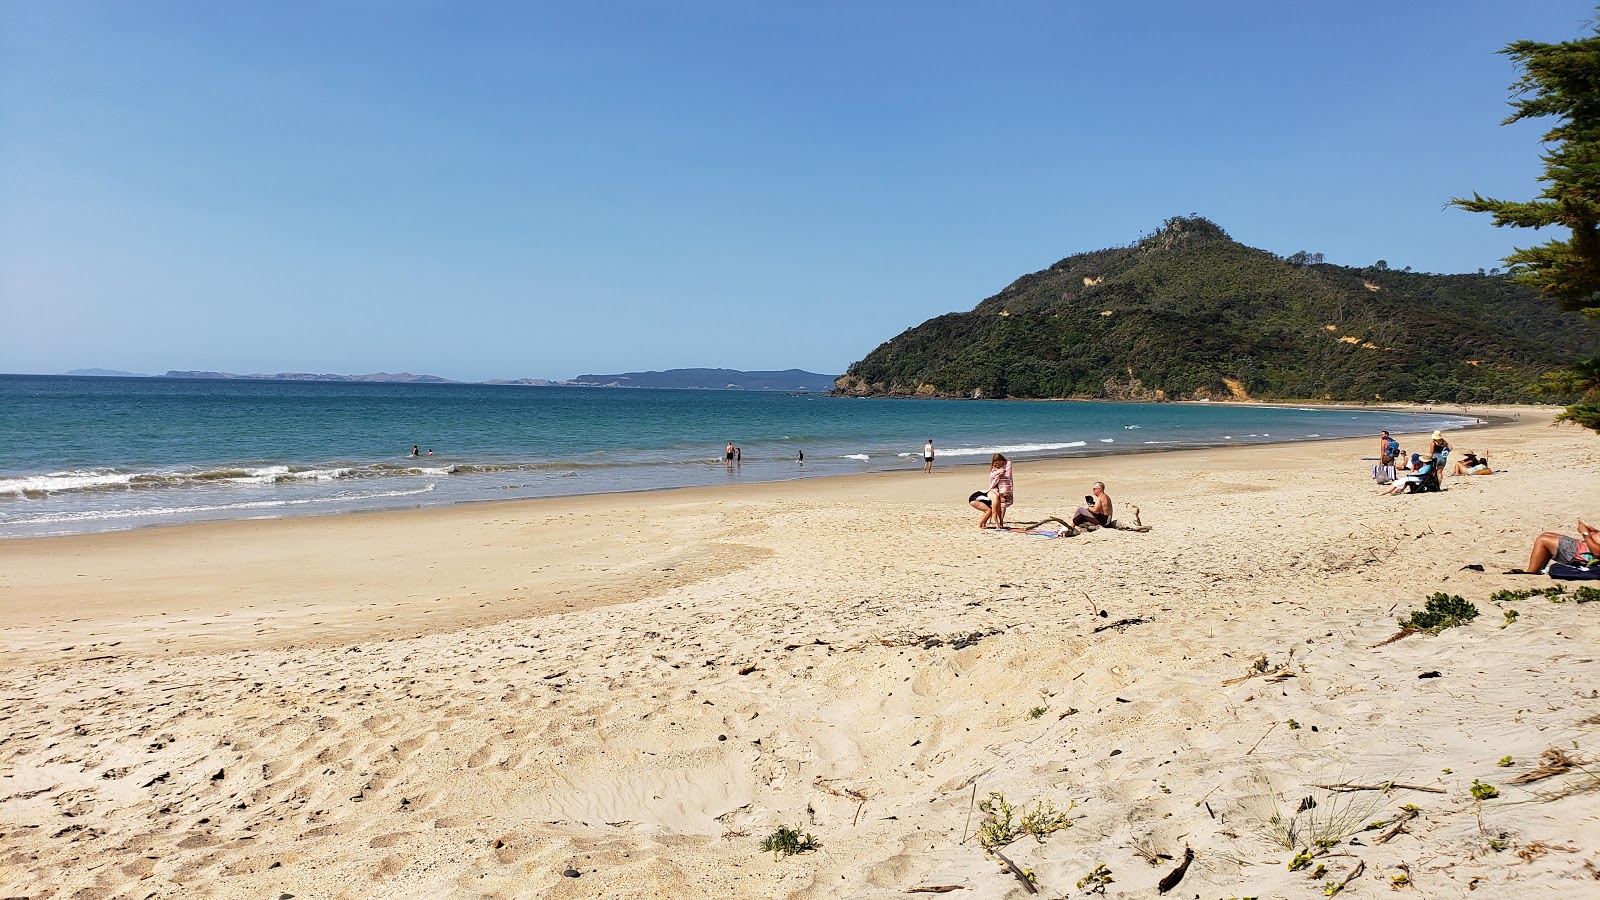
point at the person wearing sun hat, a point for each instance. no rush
(1439, 450)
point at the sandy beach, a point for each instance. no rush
(621, 696)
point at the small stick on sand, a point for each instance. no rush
(1012, 868)
(1260, 739)
(1397, 827)
(970, 802)
(1386, 786)
(1092, 607)
(935, 888)
(1361, 866)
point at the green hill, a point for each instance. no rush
(1190, 313)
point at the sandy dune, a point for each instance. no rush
(638, 688)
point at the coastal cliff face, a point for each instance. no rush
(1189, 313)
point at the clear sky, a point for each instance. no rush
(539, 189)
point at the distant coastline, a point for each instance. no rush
(796, 380)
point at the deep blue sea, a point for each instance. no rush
(84, 454)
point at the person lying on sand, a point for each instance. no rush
(1552, 546)
(1472, 464)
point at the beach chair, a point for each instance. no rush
(1428, 482)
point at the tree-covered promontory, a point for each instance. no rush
(1187, 312)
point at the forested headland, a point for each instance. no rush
(1189, 313)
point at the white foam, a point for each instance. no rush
(1012, 448)
(861, 456)
(109, 514)
(308, 475)
(1108, 440)
(63, 481)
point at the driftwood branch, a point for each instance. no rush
(1282, 674)
(1386, 786)
(1121, 623)
(1402, 633)
(1361, 866)
(1398, 826)
(935, 888)
(1176, 875)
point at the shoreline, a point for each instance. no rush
(1487, 416)
(473, 700)
(411, 537)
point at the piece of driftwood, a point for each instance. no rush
(1014, 870)
(1398, 826)
(1121, 623)
(1282, 674)
(935, 888)
(1176, 875)
(1361, 866)
(1386, 786)
(1402, 633)
(1552, 762)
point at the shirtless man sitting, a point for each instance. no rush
(1097, 514)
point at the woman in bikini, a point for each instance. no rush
(1000, 489)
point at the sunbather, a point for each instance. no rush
(1553, 546)
(1472, 464)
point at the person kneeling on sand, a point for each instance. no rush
(1552, 546)
(980, 502)
(1098, 512)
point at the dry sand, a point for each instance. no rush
(468, 702)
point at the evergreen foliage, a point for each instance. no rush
(1561, 81)
(1189, 313)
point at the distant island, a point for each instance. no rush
(712, 380)
(104, 373)
(680, 379)
(379, 377)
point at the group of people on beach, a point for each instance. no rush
(993, 503)
(1401, 475)
(1551, 547)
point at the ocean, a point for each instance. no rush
(84, 454)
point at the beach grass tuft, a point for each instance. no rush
(788, 841)
(1004, 823)
(1440, 611)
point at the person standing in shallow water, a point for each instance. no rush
(927, 456)
(727, 455)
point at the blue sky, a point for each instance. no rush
(482, 190)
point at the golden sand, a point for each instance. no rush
(470, 702)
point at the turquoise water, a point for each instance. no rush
(97, 454)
